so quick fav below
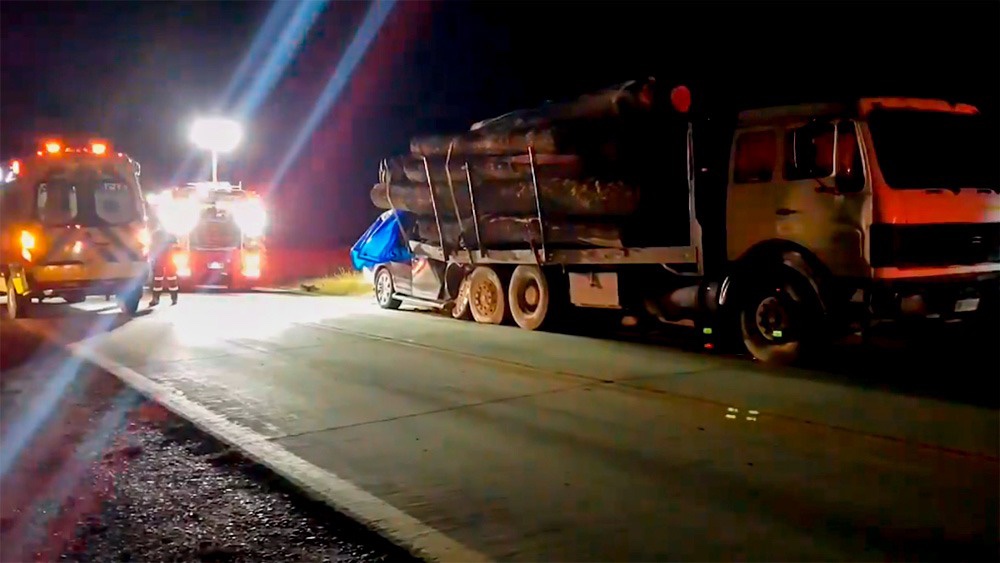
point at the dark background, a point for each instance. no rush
(137, 72)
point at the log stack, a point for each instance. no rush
(582, 159)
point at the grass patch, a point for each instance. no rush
(343, 283)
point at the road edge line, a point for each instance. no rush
(388, 521)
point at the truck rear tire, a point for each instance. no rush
(461, 309)
(529, 296)
(18, 305)
(128, 302)
(73, 297)
(781, 319)
(487, 297)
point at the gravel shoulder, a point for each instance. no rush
(94, 472)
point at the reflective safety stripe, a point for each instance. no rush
(109, 244)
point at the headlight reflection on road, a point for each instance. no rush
(211, 320)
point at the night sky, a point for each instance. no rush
(137, 72)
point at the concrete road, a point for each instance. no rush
(472, 442)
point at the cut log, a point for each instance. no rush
(609, 102)
(484, 143)
(499, 232)
(549, 129)
(483, 169)
(559, 196)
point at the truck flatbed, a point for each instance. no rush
(589, 256)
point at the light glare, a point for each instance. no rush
(216, 134)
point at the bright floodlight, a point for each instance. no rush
(216, 134)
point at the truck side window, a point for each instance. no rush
(848, 152)
(756, 155)
(809, 152)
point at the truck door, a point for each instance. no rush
(821, 201)
(750, 203)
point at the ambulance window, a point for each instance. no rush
(809, 152)
(115, 203)
(756, 155)
(57, 203)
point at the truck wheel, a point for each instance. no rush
(384, 290)
(18, 305)
(461, 309)
(529, 296)
(781, 320)
(129, 302)
(487, 297)
(73, 297)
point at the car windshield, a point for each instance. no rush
(935, 150)
(89, 201)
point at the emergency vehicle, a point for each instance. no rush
(220, 233)
(72, 224)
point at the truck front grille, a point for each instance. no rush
(946, 244)
(216, 234)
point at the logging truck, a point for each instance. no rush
(796, 224)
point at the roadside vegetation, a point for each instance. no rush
(342, 283)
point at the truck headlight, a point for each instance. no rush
(179, 218)
(251, 218)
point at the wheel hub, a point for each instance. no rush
(382, 288)
(531, 295)
(485, 297)
(772, 318)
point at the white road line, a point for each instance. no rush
(401, 528)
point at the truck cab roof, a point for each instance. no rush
(859, 107)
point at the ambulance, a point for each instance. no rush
(72, 225)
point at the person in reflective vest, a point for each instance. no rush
(164, 269)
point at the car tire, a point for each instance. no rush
(384, 290)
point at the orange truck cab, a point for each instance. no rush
(73, 225)
(890, 206)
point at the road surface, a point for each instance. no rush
(467, 442)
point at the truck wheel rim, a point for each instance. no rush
(772, 318)
(485, 297)
(531, 296)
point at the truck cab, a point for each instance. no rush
(73, 225)
(887, 205)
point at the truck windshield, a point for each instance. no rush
(935, 150)
(87, 201)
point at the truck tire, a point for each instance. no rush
(18, 305)
(529, 296)
(384, 288)
(128, 302)
(487, 297)
(461, 309)
(781, 319)
(73, 297)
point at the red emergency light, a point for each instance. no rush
(94, 147)
(680, 98)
